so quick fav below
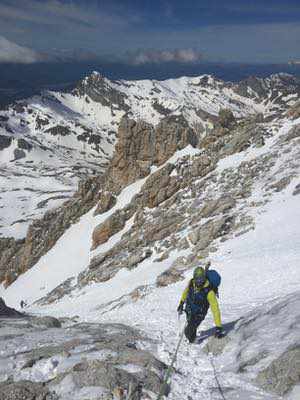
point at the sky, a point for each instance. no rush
(140, 32)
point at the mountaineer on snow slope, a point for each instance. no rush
(198, 297)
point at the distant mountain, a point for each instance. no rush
(173, 174)
(20, 81)
(49, 142)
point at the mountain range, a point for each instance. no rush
(111, 194)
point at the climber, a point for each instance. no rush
(23, 304)
(198, 296)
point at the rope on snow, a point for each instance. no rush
(216, 375)
(169, 372)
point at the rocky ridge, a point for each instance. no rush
(190, 191)
(140, 148)
(193, 196)
(54, 140)
(43, 358)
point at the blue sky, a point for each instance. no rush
(141, 32)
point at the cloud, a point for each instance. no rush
(188, 56)
(11, 52)
(87, 15)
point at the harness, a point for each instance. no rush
(196, 301)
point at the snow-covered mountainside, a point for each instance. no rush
(49, 142)
(215, 177)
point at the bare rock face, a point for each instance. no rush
(5, 141)
(218, 206)
(133, 153)
(25, 390)
(209, 231)
(82, 361)
(46, 322)
(159, 187)
(202, 166)
(140, 145)
(282, 374)
(176, 272)
(226, 118)
(7, 312)
(216, 346)
(172, 275)
(108, 228)
(106, 201)
(294, 111)
(96, 87)
(239, 142)
(133, 260)
(172, 134)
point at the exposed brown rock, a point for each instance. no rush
(159, 187)
(140, 145)
(218, 206)
(281, 184)
(294, 111)
(205, 234)
(106, 202)
(172, 134)
(108, 228)
(226, 118)
(25, 390)
(133, 153)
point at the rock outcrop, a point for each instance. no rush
(191, 203)
(141, 145)
(79, 360)
(276, 362)
(8, 312)
(282, 374)
(25, 390)
(18, 256)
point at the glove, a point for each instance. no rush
(219, 334)
(180, 308)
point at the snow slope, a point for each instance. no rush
(259, 270)
(51, 148)
(49, 142)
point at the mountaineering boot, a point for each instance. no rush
(220, 333)
(190, 332)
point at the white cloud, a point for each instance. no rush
(161, 56)
(12, 52)
(72, 14)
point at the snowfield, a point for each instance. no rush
(260, 271)
(59, 138)
(260, 290)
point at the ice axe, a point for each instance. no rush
(207, 265)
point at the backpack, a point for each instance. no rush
(214, 279)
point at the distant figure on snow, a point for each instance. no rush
(23, 303)
(198, 297)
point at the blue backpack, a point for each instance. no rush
(214, 279)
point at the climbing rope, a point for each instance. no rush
(170, 370)
(215, 374)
